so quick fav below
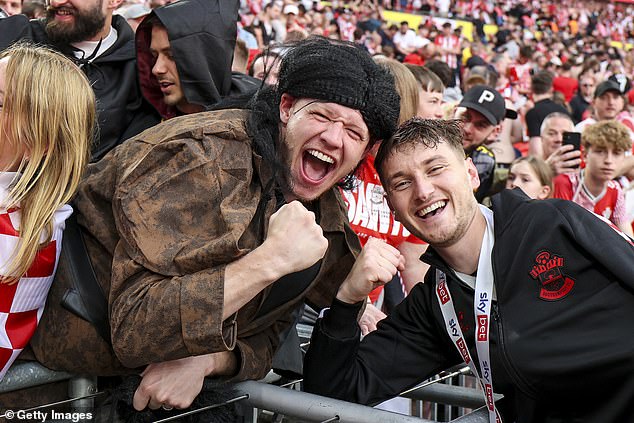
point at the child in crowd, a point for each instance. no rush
(430, 92)
(532, 175)
(47, 115)
(593, 187)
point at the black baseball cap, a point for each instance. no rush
(489, 102)
(624, 83)
(606, 86)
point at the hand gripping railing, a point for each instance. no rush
(258, 395)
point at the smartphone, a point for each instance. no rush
(572, 138)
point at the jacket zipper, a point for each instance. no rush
(508, 366)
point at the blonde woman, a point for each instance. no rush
(47, 115)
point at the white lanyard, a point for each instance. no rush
(482, 312)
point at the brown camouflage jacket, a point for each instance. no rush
(163, 214)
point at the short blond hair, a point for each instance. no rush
(608, 133)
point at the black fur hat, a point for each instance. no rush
(342, 73)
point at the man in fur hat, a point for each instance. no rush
(207, 231)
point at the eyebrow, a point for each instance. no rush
(329, 113)
(424, 163)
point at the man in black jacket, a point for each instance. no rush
(543, 290)
(103, 46)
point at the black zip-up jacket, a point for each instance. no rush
(122, 111)
(562, 344)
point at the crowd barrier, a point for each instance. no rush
(258, 396)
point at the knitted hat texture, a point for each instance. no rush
(341, 73)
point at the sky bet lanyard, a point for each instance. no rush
(482, 310)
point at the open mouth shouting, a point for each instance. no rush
(316, 166)
(432, 210)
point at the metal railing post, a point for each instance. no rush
(81, 386)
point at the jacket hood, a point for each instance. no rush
(202, 35)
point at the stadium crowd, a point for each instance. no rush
(198, 100)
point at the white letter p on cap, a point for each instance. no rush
(486, 96)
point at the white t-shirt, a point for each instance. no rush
(87, 48)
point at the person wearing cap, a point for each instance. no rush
(607, 103)
(542, 96)
(537, 297)
(293, 22)
(184, 55)
(482, 111)
(207, 231)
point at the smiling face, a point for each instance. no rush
(322, 143)
(477, 128)
(431, 191)
(71, 21)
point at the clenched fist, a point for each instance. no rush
(296, 239)
(376, 265)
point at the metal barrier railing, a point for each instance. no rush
(29, 374)
(263, 396)
(316, 408)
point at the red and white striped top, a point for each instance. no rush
(22, 303)
(448, 42)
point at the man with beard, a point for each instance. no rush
(207, 231)
(102, 45)
(537, 297)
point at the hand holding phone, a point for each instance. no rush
(572, 138)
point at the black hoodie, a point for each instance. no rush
(202, 36)
(122, 112)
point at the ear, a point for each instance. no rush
(544, 193)
(474, 179)
(114, 4)
(496, 131)
(286, 104)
